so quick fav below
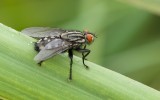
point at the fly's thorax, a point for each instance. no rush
(73, 36)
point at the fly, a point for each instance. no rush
(53, 41)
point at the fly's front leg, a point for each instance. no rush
(70, 54)
(36, 47)
(85, 52)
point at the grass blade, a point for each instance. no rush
(22, 78)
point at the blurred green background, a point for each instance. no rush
(128, 31)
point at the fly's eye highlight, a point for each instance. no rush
(89, 38)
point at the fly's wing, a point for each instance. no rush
(53, 48)
(40, 32)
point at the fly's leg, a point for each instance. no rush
(40, 63)
(36, 47)
(84, 56)
(85, 52)
(70, 54)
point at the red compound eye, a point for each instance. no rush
(89, 38)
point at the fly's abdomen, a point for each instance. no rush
(41, 43)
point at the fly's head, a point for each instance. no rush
(89, 37)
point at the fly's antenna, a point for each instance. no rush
(94, 35)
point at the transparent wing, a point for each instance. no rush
(39, 32)
(53, 48)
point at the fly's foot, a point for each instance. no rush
(86, 66)
(40, 63)
(69, 80)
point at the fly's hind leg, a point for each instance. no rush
(36, 47)
(40, 63)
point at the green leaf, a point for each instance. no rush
(22, 78)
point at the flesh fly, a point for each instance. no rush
(53, 41)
